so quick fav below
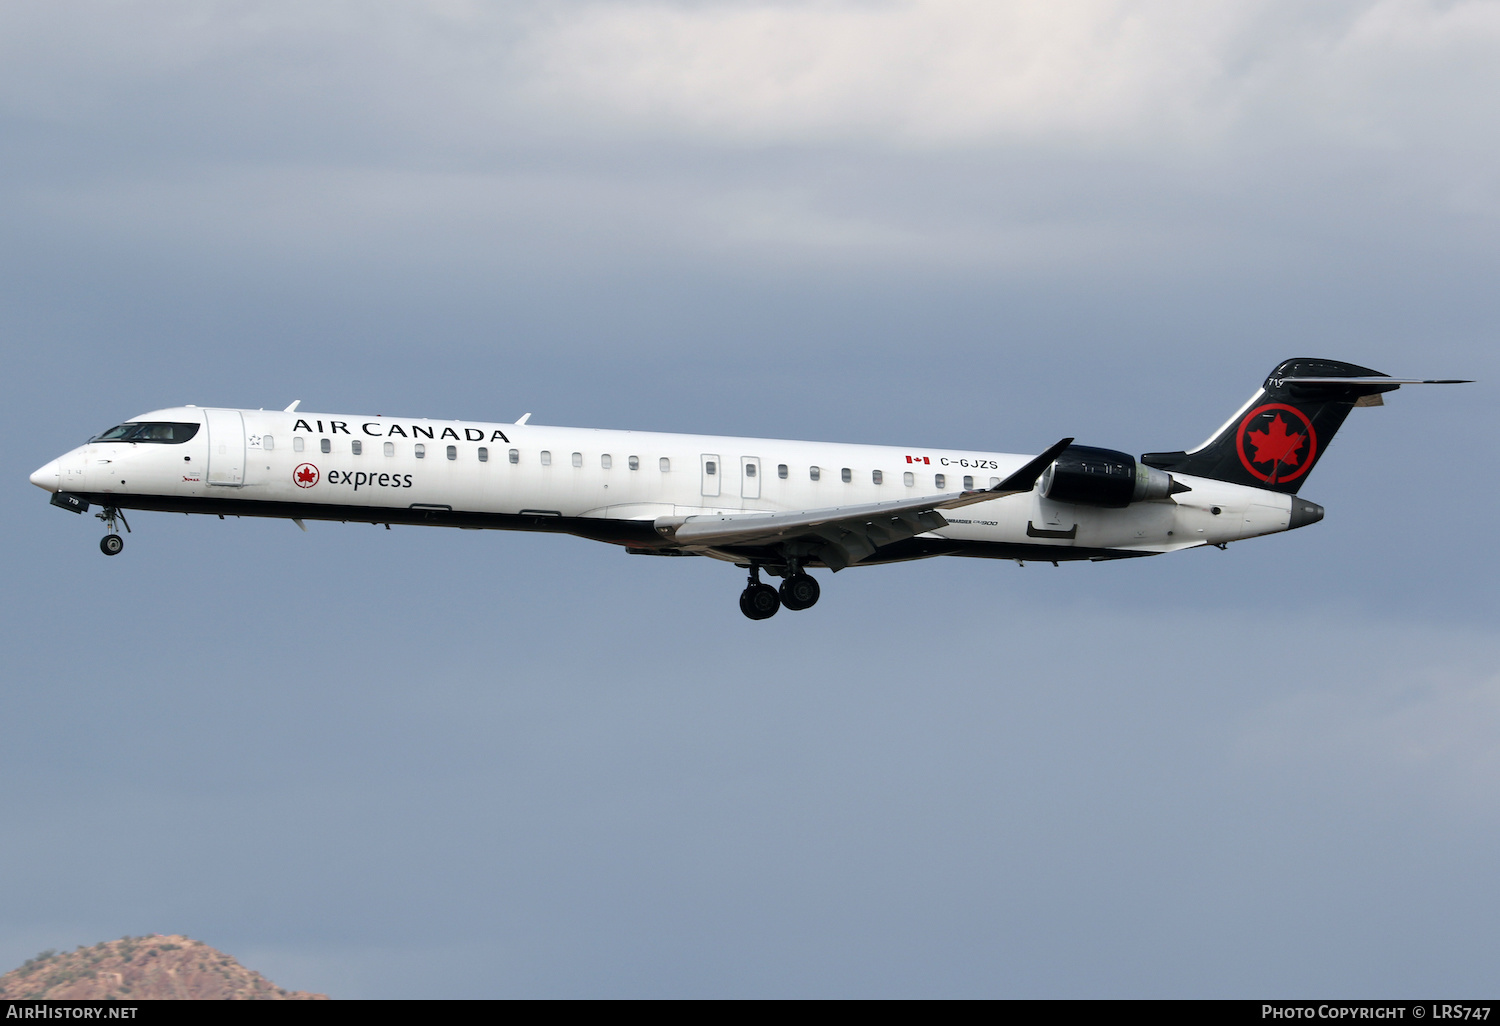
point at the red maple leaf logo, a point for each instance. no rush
(1276, 444)
(305, 476)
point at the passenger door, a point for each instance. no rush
(226, 447)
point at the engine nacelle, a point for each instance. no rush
(1103, 477)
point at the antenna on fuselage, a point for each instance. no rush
(292, 408)
(524, 418)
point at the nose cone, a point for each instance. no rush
(1304, 513)
(48, 477)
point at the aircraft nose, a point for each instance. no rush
(48, 477)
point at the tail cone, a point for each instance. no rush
(1304, 513)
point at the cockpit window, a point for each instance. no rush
(141, 431)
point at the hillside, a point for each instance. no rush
(142, 969)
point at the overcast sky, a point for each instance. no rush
(426, 763)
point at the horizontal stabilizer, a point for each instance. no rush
(1376, 381)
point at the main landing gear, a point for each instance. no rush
(761, 601)
(112, 543)
(799, 591)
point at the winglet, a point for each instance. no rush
(524, 418)
(292, 408)
(1024, 479)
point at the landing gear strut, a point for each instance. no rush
(112, 543)
(759, 601)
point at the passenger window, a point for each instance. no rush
(968, 483)
(326, 445)
(357, 447)
(546, 458)
(877, 476)
(749, 469)
(635, 463)
(390, 448)
(606, 461)
(665, 465)
(909, 479)
(453, 452)
(515, 455)
(941, 480)
(419, 451)
(267, 443)
(710, 468)
(578, 459)
(781, 471)
(484, 454)
(994, 482)
(813, 473)
(847, 475)
(297, 444)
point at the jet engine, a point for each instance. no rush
(1103, 477)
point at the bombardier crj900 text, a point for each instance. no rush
(783, 507)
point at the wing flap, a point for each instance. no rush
(768, 528)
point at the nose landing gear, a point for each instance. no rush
(112, 543)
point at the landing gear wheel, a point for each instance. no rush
(759, 602)
(112, 543)
(800, 591)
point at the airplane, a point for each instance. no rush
(766, 505)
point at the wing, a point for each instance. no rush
(843, 535)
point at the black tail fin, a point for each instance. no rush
(1277, 437)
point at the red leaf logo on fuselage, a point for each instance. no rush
(305, 476)
(1284, 443)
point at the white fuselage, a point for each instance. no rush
(613, 485)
